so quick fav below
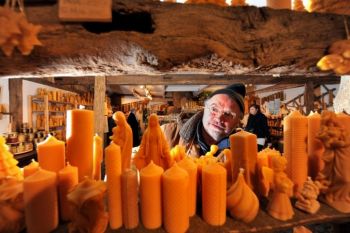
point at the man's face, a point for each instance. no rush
(252, 110)
(221, 116)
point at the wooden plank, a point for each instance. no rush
(99, 99)
(309, 97)
(171, 37)
(275, 88)
(16, 103)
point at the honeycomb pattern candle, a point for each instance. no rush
(51, 154)
(40, 201)
(98, 156)
(80, 133)
(114, 196)
(151, 196)
(175, 199)
(214, 194)
(30, 168)
(315, 147)
(294, 147)
(191, 168)
(67, 179)
(244, 151)
(130, 208)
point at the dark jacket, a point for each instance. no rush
(257, 124)
(134, 124)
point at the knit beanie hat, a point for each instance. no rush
(235, 91)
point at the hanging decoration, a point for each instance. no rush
(15, 30)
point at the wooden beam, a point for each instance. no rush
(16, 103)
(76, 88)
(309, 97)
(99, 99)
(275, 88)
(171, 37)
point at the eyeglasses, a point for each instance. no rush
(217, 112)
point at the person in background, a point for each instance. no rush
(257, 124)
(134, 124)
(222, 113)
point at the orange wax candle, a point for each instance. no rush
(30, 168)
(214, 194)
(122, 136)
(191, 168)
(315, 147)
(97, 157)
(151, 195)
(244, 152)
(67, 179)
(344, 121)
(40, 201)
(175, 182)
(80, 133)
(113, 171)
(279, 4)
(51, 154)
(294, 147)
(130, 207)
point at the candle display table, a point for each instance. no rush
(262, 223)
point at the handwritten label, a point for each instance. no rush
(85, 10)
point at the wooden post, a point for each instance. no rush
(99, 99)
(16, 103)
(309, 97)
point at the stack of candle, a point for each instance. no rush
(7, 162)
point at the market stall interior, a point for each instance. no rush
(63, 75)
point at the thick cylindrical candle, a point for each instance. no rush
(30, 168)
(214, 194)
(151, 195)
(67, 179)
(40, 201)
(51, 154)
(294, 147)
(315, 147)
(97, 157)
(130, 208)
(80, 133)
(114, 196)
(191, 168)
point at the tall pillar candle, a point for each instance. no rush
(113, 171)
(130, 208)
(295, 131)
(244, 151)
(51, 154)
(97, 157)
(40, 201)
(67, 179)
(80, 133)
(151, 196)
(191, 168)
(175, 182)
(30, 168)
(315, 147)
(214, 194)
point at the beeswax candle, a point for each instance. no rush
(67, 179)
(244, 152)
(30, 168)
(122, 136)
(130, 208)
(175, 199)
(40, 200)
(191, 168)
(294, 147)
(279, 4)
(97, 157)
(51, 154)
(344, 121)
(114, 196)
(214, 194)
(315, 147)
(151, 196)
(80, 133)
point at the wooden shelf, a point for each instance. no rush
(263, 223)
